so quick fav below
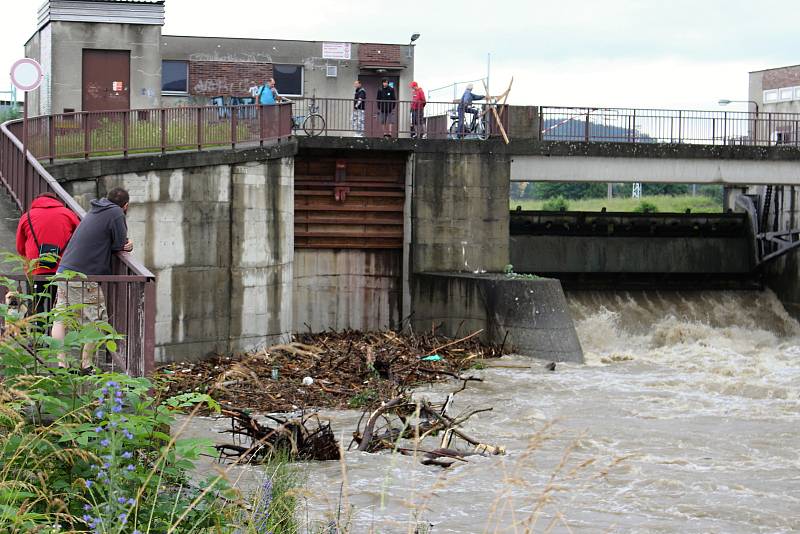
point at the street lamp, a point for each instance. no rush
(414, 37)
(725, 102)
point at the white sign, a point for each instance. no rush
(336, 50)
(26, 74)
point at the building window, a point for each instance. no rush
(770, 96)
(786, 93)
(288, 79)
(175, 77)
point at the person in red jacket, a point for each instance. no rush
(418, 102)
(46, 228)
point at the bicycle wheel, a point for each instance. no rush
(481, 131)
(314, 125)
(454, 130)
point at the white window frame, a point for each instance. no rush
(302, 78)
(175, 93)
(785, 94)
(771, 96)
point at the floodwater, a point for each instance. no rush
(685, 418)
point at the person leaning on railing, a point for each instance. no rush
(42, 235)
(102, 232)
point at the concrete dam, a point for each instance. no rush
(309, 234)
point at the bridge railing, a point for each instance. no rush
(437, 120)
(630, 125)
(129, 291)
(102, 133)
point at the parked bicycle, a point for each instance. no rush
(474, 127)
(313, 124)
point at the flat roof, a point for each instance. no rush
(776, 68)
(281, 40)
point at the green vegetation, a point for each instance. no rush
(645, 206)
(555, 204)
(663, 204)
(362, 399)
(8, 114)
(92, 452)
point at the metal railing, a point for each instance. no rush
(437, 120)
(629, 125)
(130, 290)
(102, 133)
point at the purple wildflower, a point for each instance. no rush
(105, 443)
(89, 483)
(99, 414)
(98, 429)
(127, 455)
(130, 467)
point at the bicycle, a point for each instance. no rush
(473, 128)
(312, 124)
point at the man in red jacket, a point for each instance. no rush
(417, 110)
(46, 228)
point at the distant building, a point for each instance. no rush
(776, 90)
(103, 55)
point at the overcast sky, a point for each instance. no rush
(624, 53)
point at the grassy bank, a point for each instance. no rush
(663, 203)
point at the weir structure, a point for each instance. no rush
(251, 232)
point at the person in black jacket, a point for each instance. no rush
(359, 99)
(387, 100)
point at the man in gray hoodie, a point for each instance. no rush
(102, 232)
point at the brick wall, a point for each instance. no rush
(785, 77)
(226, 78)
(380, 54)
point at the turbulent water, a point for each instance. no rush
(686, 418)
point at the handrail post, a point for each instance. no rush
(163, 114)
(586, 127)
(261, 125)
(724, 127)
(86, 136)
(199, 128)
(633, 130)
(680, 128)
(769, 128)
(126, 117)
(234, 125)
(51, 133)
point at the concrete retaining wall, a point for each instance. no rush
(460, 214)
(530, 315)
(347, 289)
(220, 240)
(597, 254)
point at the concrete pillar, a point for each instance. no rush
(460, 216)
(262, 252)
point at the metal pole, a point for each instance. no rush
(488, 71)
(23, 199)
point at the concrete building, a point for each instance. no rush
(101, 55)
(776, 90)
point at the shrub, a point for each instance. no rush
(646, 207)
(556, 204)
(93, 452)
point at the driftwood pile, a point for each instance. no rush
(405, 418)
(300, 438)
(346, 370)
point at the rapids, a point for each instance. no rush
(685, 418)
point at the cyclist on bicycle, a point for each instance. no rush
(465, 106)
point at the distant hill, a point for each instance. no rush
(574, 129)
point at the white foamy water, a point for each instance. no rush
(686, 418)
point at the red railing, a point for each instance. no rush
(130, 291)
(101, 133)
(669, 126)
(437, 120)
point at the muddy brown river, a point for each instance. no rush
(685, 418)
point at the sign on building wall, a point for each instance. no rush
(336, 50)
